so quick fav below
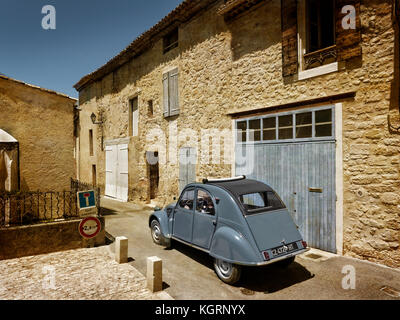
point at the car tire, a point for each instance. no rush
(285, 263)
(156, 233)
(226, 271)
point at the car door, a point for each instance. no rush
(183, 216)
(204, 219)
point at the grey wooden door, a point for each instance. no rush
(187, 167)
(303, 174)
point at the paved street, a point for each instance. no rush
(83, 274)
(189, 273)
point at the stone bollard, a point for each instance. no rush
(154, 274)
(121, 249)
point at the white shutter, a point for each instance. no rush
(111, 178)
(173, 93)
(122, 185)
(166, 94)
(135, 117)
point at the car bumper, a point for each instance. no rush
(283, 257)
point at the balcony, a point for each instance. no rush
(320, 57)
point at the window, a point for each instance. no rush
(150, 109)
(269, 129)
(171, 40)
(323, 123)
(318, 33)
(314, 124)
(94, 175)
(187, 200)
(304, 125)
(241, 131)
(91, 142)
(320, 24)
(134, 117)
(285, 127)
(204, 203)
(171, 93)
(255, 130)
(261, 201)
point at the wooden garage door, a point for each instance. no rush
(301, 168)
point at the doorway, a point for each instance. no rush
(153, 173)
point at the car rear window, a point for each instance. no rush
(261, 202)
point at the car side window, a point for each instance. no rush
(187, 200)
(204, 203)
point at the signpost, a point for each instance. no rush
(86, 200)
(89, 227)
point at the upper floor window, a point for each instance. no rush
(91, 152)
(320, 19)
(318, 33)
(171, 40)
(134, 117)
(171, 93)
(314, 40)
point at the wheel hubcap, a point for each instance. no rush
(225, 268)
(156, 233)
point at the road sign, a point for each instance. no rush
(89, 227)
(86, 200)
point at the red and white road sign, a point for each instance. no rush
(89, 227)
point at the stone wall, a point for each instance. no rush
(45, 238)
(43, 124)
(235, 66)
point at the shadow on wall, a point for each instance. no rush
(257, 29)
(248, 31)
(394, 110)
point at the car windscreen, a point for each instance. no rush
(261, 202)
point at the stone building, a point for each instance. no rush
(36, 138)
(301, 94)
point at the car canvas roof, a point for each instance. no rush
(242, 186)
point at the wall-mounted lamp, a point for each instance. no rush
(94, 117)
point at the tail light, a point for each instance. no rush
(304, 243)
(266, 255)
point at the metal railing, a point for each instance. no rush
(25, 208)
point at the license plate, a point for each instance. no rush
(284, 249)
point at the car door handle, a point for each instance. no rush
(214, 222)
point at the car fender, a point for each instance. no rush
(231, 246)
(162, 218)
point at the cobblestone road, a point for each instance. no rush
(83, 274)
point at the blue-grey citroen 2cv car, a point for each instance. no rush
(238, 221)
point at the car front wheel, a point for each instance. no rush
(156, 232)
(226, 271)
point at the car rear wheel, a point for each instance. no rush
(226, 271)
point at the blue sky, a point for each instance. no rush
(88, 33)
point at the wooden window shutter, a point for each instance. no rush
(289, 37)
(166, 95)
(173, 93)
(348, 42)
